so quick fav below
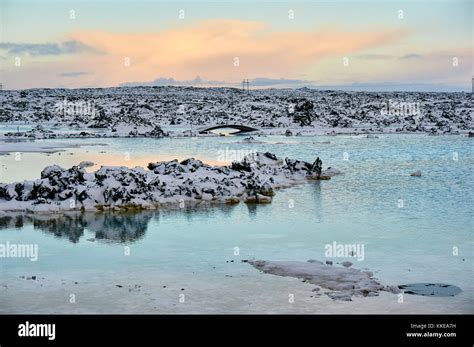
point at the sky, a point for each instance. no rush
(375, 45)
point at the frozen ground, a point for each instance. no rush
(144, 111)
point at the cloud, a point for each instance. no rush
(163, 81)
(201, 82)
(74, 74)
(261, 82)
(221, 50)
(375, 56)
(410, 56)
(264, 82)
(43, 49)
(228, 51)
(391, 87)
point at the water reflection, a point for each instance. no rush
(317, 198)
(118, 227)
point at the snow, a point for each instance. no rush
(253, 180)
(143, 111)
(343, 282)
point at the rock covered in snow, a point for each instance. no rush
(253, 180)
(135, 111)
(331, 171)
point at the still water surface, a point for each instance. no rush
(409, 226)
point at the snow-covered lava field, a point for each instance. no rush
(143, 111)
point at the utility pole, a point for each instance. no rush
(246, 82)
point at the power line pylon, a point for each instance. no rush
(245, 83)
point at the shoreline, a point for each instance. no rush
(155, 291)
(251, 180)
(172, 132)
(249, 138)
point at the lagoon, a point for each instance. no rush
(414, 229)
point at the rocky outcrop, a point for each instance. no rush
(132, 112)
(253, 180)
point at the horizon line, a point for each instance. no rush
(338, 88)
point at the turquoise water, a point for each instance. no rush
(408, 244)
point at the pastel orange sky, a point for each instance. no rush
(210, 48)
(322, 44)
